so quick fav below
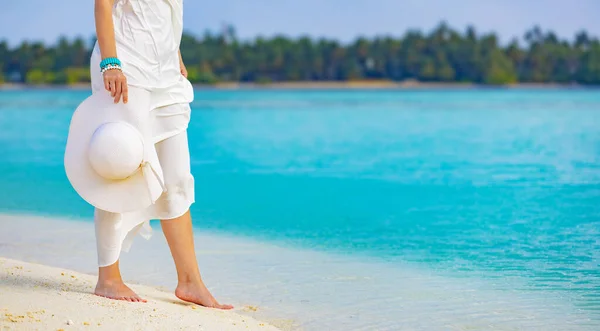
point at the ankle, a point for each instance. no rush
(110, 274)
(107, 281)
(109, 278)
(189, 279)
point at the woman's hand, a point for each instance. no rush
(116, 83)
(182, 67)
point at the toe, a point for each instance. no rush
(224, 307)
(217, 305)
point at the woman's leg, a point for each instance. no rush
(109, 242)
(173, 209)
(190, 286)
(111, 228)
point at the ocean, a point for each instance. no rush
(494, 187)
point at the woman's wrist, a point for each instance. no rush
(110, 63)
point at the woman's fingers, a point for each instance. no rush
(118, 89)
(125, 90)
(113, 87)
(116, 83)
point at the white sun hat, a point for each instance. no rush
(110, 159)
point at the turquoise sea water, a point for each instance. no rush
(490, 184)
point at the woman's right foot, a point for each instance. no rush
(116, 290)
(196, 292)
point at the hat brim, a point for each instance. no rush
(119, 196)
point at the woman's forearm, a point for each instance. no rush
(114, 79)
(105, 29)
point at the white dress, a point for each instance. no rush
(148, 34)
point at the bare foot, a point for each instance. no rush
(116, 290)
(196, 292)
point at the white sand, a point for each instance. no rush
(38, 297)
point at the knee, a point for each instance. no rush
(176, 200)
(107, 223)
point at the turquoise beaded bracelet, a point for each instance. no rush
(110, 61)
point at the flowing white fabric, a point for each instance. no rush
(148, 34)
(115, 232)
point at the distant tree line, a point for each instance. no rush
(443, 55)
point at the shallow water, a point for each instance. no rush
(496, 192)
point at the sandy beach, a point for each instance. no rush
(38, 297)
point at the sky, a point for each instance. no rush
(340, 19)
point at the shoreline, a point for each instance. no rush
(70, 247)
(332, 85)
(36, 296)
(295, 289)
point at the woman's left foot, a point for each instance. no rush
(196, 292)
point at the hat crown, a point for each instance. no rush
(116, 150)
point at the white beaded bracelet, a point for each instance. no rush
(111, 66)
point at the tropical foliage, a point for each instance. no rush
(443, 55)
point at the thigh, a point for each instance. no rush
(169, 120)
